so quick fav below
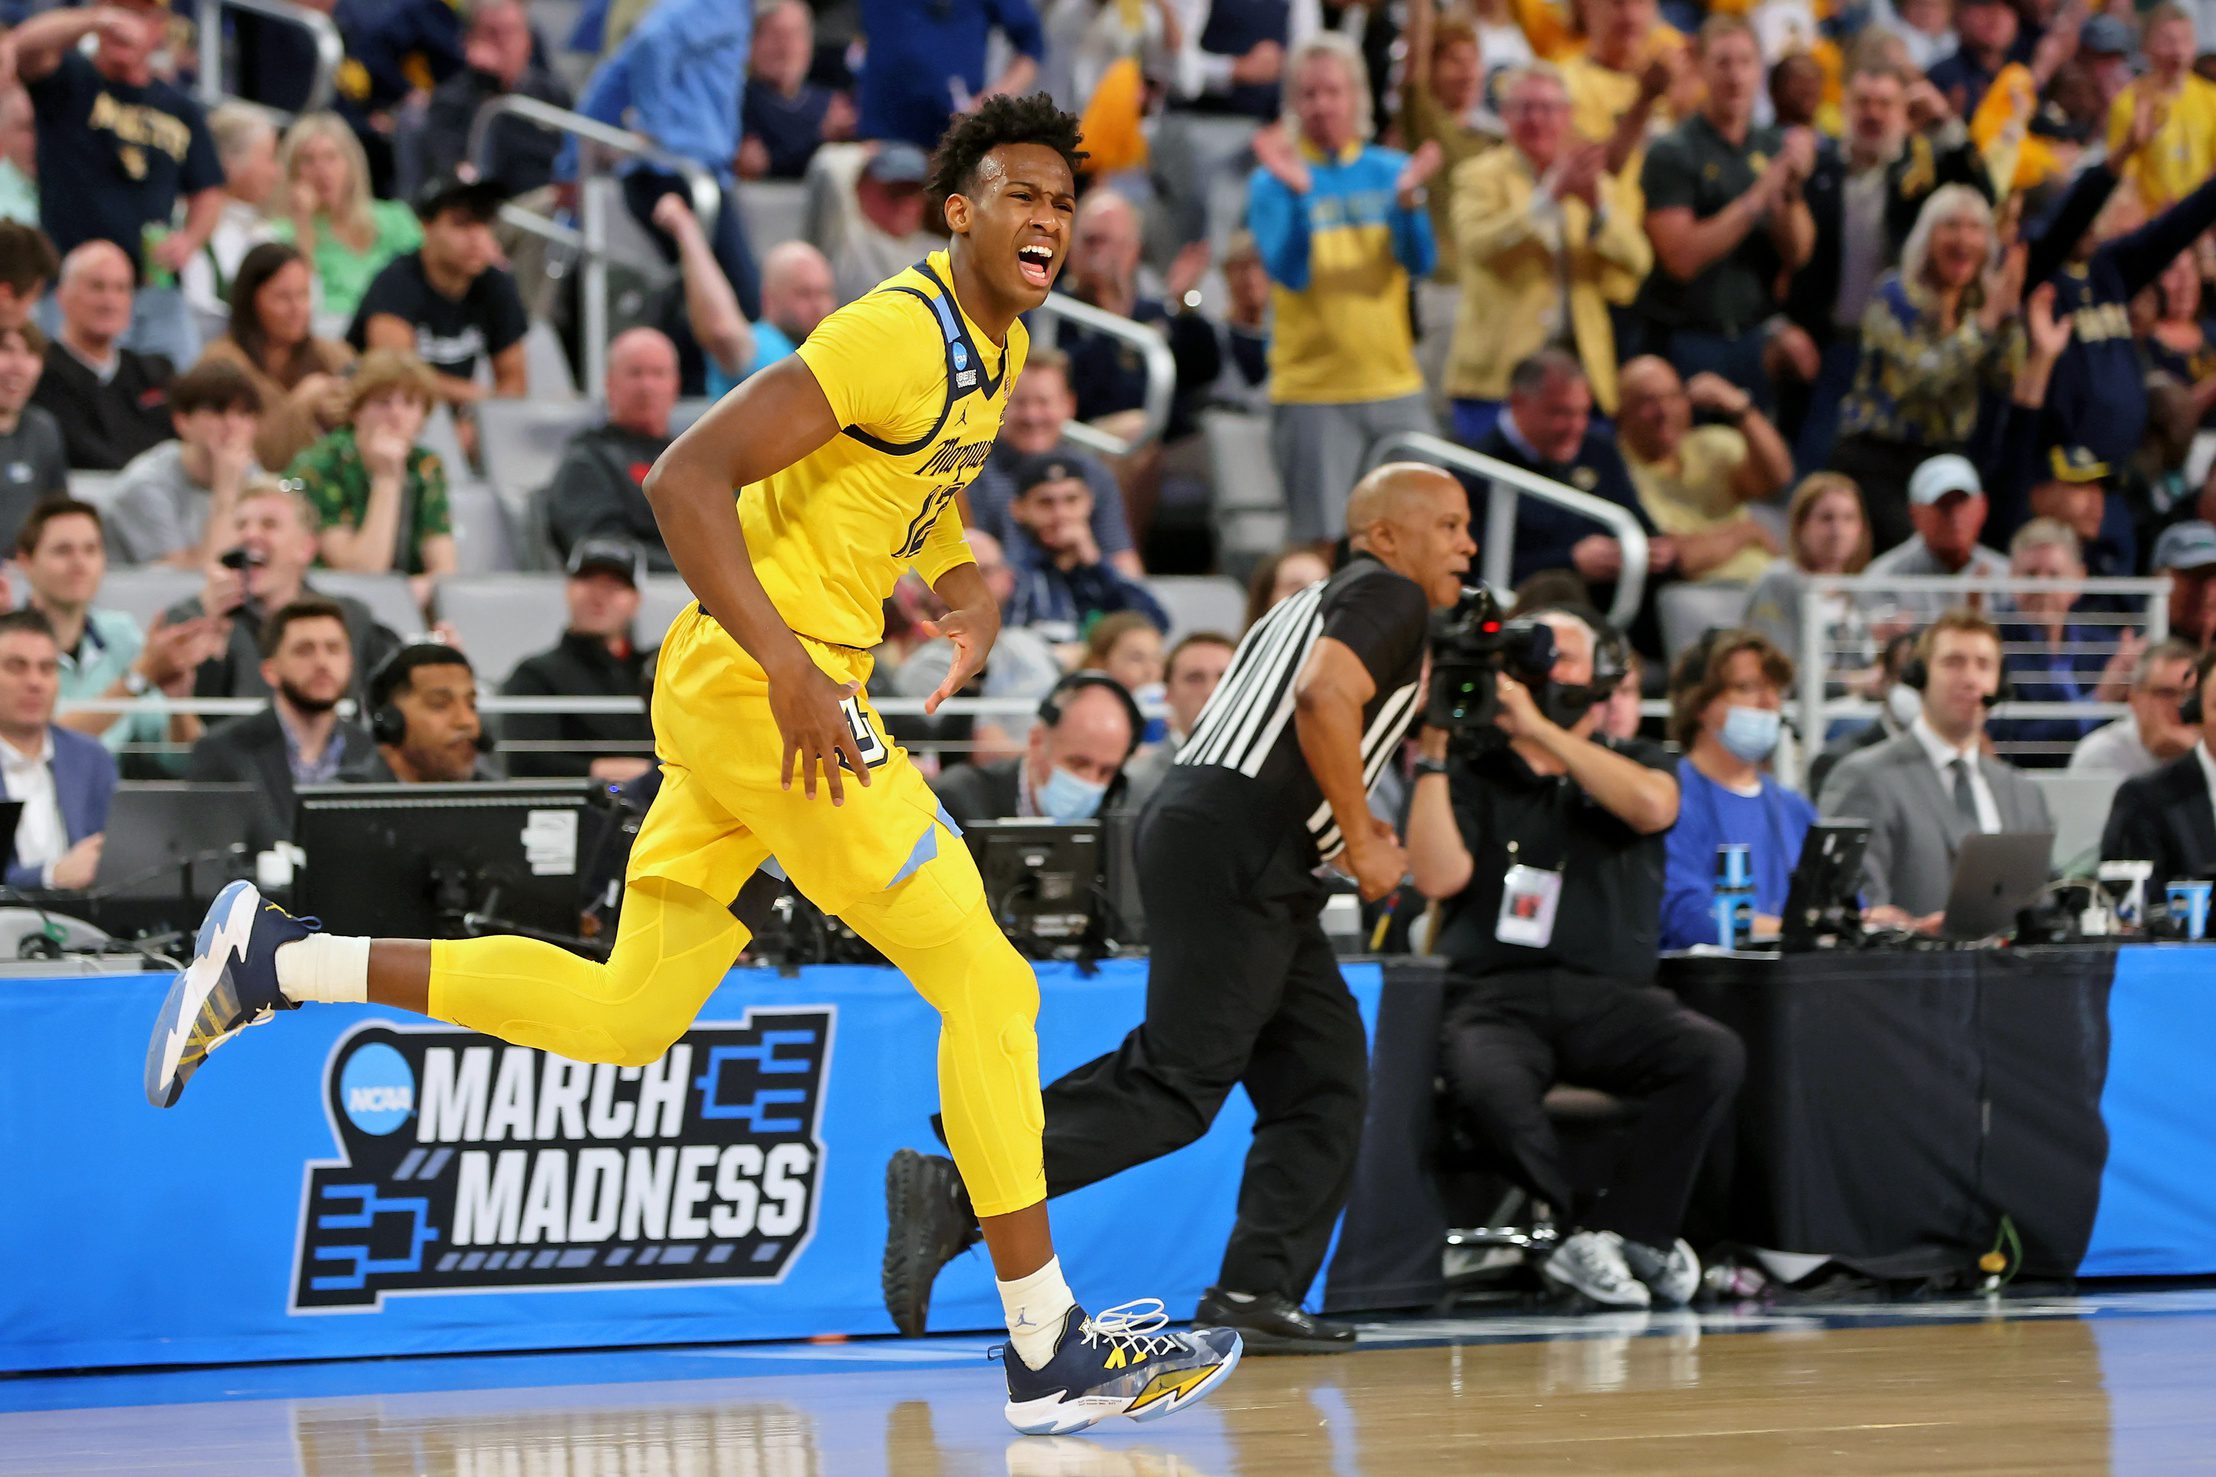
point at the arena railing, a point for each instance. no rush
(1154, 352)
(1835, 660)
(589, 237)
(330, 50)
(1511, 484)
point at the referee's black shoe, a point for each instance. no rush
(1272, 1323)
(928, 1224)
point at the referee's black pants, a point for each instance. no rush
(1242, 989)
(1509, 1036)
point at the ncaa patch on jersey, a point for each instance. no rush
(467, 1164)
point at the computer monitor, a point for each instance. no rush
(170, 840)
(1042, 877)
(1821, 900)
(446, 861)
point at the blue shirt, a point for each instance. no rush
(917, 51)
(680, 74)
(1771, 825)
(771, 344)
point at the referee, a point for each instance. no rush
(1243, 987)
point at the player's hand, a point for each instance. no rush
(972, 634)
(1376, 860)
(807, 710)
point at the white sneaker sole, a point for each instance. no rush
(1054, 1416)
(225, 932)
(1635, 1299)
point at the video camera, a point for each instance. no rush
(1471, 645)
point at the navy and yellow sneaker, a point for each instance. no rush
(231, 984)
(1120, 1363)
(928, 1223)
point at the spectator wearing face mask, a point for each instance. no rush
(1087, 729)
(1726, 703)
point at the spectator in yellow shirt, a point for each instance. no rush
(2183, 152)
(1695, 481)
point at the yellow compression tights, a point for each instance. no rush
(675, 944)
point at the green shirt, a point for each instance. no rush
(342, 272)
(334, 479)
(1696, 168)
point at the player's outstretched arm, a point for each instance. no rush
(771, 421)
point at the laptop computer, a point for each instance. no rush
(1995, 876)
(1820, 901)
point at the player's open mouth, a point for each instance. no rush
(1036, 262)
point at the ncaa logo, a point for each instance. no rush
(377, 1089)
(961, 357)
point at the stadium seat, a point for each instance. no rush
(776, 211)
(547, 364)
(523, 441)
(146, 591)
(97, 488)
(1690, 609)
(659, 602)
(483, 540)
(440, 437)
(1200, 602)
(388, 596)
(1250, 502)
(502, 618)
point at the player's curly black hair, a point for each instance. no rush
(999, 121)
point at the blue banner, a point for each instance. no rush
(2157, 1215)
(350, 1182)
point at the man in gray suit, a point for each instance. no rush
(1925, 789)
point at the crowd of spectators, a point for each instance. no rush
(1906, 292)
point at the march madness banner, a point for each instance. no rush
(470, 1164)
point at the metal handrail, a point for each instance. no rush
(1815, 705)
(591, 236)
(1499, 541)
(495, 706)
(330, 49)
(1161, 371)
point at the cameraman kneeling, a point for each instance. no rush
(1545, 844)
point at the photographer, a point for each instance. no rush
(1243, 987)
(1546, 845)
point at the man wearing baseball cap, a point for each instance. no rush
(596, 657)
(449, 302)
(2186, 552)
(1062, 581)
(1946, 503)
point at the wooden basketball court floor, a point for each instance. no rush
(2122, 1382)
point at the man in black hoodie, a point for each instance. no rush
(596, 657)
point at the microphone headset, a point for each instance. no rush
(1916, 674)
(1051, 706)
(387, 724)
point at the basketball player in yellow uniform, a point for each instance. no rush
(849, 457)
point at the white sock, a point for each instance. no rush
(1036, 1305)
(324, 967)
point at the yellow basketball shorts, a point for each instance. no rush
(886, 861)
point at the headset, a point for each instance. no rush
(1050, 706)
(387, 724)
(1916, 674)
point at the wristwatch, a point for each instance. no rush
(135, 683)
(1426, 765)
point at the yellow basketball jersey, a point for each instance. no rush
(919, 392)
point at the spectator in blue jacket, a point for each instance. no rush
(63, 780)
(1726, 702)
(679, 78)
(1063, 581)
(926, 62)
